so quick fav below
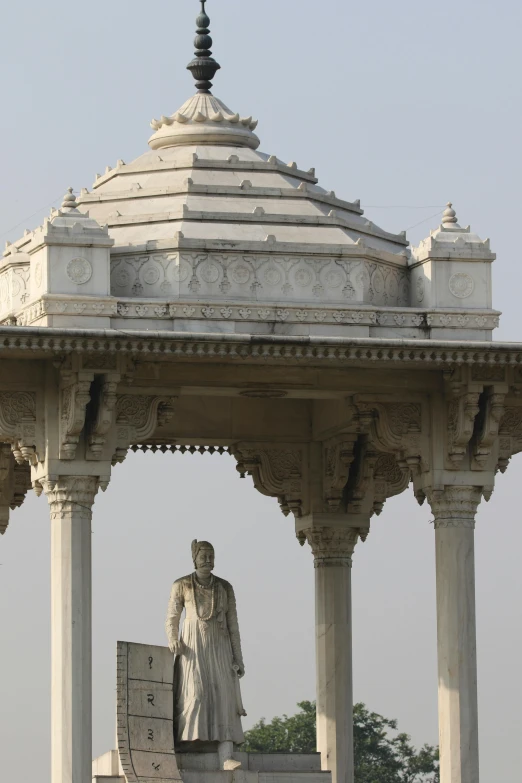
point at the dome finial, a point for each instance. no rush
(69, 200)
(449, 216)
(203, 66)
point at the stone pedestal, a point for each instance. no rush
(333, 548)
(71, 499)
(454, 511)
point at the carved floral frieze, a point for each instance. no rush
(258, 276)
(214, 310)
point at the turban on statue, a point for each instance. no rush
(197, 545)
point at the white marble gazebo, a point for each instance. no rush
(211, 295)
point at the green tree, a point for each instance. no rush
(382, 754)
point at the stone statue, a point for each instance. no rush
(209, 661)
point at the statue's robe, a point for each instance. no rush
(207, 702)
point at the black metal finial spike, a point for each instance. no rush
(203, 66)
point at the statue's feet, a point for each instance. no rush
(231, 764)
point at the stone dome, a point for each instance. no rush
(206, 233)
(205, 177)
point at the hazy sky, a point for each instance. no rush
(403, 105)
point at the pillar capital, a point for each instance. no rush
(71, 495)
(332, 546)
(454, 506)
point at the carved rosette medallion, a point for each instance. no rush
(79, 270)
(332, 547)
(461, 285)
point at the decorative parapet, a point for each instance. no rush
(229, 277)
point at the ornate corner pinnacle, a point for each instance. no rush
(332, 546)
(276, 472)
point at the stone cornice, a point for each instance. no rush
(18, 340)
(192, 161)
(328, 198)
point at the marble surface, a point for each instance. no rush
(454, 512)
(208, 234)
(209, 661)
(70, 500)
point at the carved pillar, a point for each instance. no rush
(454, 510)
(71, 499)
(332, 548)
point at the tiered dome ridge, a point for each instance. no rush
(222, 193)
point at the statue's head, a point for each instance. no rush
(203, 556)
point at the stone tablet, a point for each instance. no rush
(145, 716)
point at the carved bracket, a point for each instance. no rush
(15, 481)
(510, 436)
(137, 419)
(338, 456)
(462, 411)
(491, 414)
(389, 479)
(105, 398)
(396, 427)
(277, 471)
(75, 388)
(18, 424)
(359, 490)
